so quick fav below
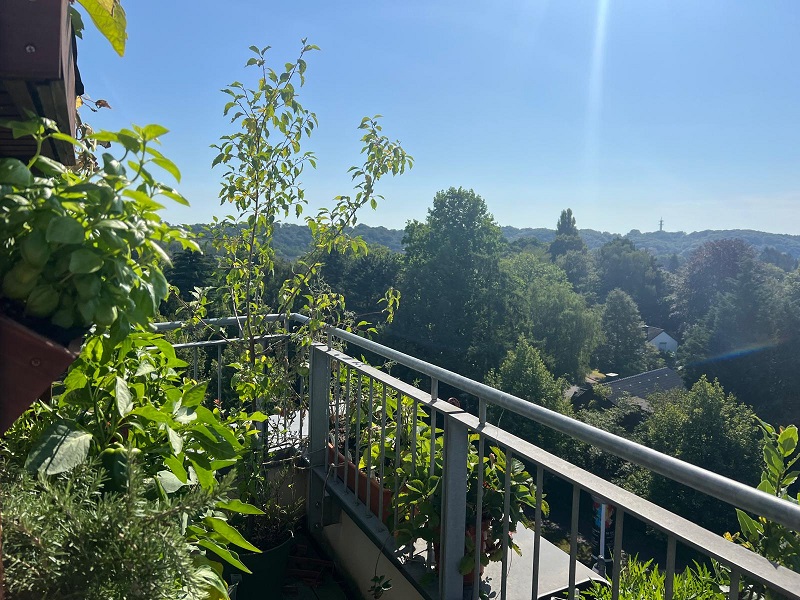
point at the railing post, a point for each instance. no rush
(318, 426)
(454, 509)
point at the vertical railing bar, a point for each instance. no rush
(669, 577)
(573, 539)
(506, 519)
(617, 568)
(369, 445)
(398, 415)
(413, 426)
(195, 359)
(733, 592)
(320, 371)
(432, 452)
(454, 510)
(346, 452)
(415, 408)
(537, 532)
(476, 565)
(287, 401)
(337, 394)
(302, 395)
(219, 372)
(357, 454)
(382, 465)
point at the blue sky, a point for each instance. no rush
(626, 111)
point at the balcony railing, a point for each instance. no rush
(340, 384)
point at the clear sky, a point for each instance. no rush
(624, 110)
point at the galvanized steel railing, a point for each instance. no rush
(329, 406)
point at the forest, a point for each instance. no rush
(535, 318)
(291, 240)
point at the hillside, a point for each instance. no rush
(291, 240)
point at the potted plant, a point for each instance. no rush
(271, 488)
(420, 501)
(77, 250)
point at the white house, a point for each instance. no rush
(660, 339)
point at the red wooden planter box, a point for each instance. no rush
(376, 490)
(29, 363)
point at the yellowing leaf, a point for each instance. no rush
(109, 18)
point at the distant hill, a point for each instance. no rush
(292, 240)
(664, 244)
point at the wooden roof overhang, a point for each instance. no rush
(38, 73)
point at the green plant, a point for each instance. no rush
(128, 401)
(64, 538)
(419, 501)
(78, 251)
(262, 163)
(643, 581)
(772, 540)
(272, 489)
(379, 586)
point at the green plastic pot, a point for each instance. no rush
(269, 573)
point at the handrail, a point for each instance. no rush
(730, 491)
(708, 482)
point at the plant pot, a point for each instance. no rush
(29, 363)
(376, 489)
(269, 572)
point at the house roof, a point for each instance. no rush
(652, 332)
(644, 384)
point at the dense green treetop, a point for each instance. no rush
(621, 265)
(524, 374)
(548, 311)
(622, 349)
(451, 285)
(708, 428)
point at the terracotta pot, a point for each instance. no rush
(29, 363)
(376, 489)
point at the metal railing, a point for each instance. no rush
(348, 402)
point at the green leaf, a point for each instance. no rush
(749, 527)
(170, 193)
(787, 440)
(169, 481)
(229, 533)
(224, 554)
(60, 448)
(205, 476)
(109, 18)
(124, 399)
(14, 172)
(94, 349)
(175, 465)
(66, 138)
(240, 507)
(169, 167)
(150, 412)
(104, 136)
(65, 230)
(195, 395)
(175, 440)
(209, 575)
(84, 261)
(151, 132)
(49, 167)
